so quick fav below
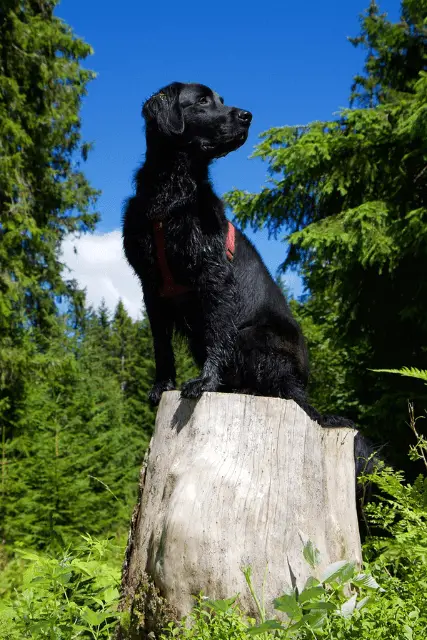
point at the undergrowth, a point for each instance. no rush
(64, 596)
(74, 594)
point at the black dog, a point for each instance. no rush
(200, 276)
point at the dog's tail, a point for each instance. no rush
(367, 457)
(368, 460)
(325, 420)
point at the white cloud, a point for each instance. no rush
(98, 264)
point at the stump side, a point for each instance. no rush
(234, 481)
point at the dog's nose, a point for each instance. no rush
(245, 116)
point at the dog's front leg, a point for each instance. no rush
(219, 305)
(161, 329)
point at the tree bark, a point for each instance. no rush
(232, 481)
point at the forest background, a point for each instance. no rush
(349, 194)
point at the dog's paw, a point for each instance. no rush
(194, 388)
(157, 389)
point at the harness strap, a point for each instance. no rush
(230, 241)
(170, 288)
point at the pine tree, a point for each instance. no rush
(65, 471)
(43, 196)
(43, 192)
(353, 194)
(122, 331)
(83, 425)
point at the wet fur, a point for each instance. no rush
(239, 327)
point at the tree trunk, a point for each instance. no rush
(232, 481)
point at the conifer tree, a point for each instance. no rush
(43, 192)
(352, 193)
(43, 196)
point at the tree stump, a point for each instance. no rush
(232, 481)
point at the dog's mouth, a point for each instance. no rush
(222, 148)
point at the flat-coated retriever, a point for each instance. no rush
(200, 276)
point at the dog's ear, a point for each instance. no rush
(164, 112)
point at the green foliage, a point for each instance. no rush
(74, 415)
(402, 513)
(222, 622)
(44, 193)
(309, 610)
(351, 194)
(399, 557)
(80, 428)
(43, 196)
(69, 595)
(406, 371)
(333, 367)
(307, 613)
(75, 592)
(396, 52)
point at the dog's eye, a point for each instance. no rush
(203, 100)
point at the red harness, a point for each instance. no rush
(170, 288)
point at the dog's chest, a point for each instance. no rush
(180, 245)
(177, 250)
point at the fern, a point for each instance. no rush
(409, 372)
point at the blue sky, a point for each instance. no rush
(287, 62)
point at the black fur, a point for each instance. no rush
(238, 324)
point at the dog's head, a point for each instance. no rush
(195, 118)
